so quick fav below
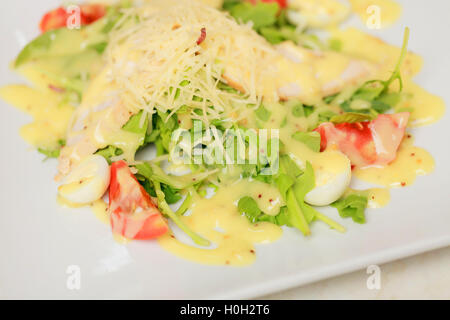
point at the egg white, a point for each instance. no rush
(332, 180)
(87, 182)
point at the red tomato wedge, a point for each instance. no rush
(132, 212)
(281, 3)
(58, 17)
(366, 143)
(92, 12)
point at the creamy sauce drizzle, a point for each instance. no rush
(411, 162)
(377, 197)
(232, 235)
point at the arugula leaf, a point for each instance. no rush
(308, 110)
(380, 106)
(284, 182)
(145, 170)
(352, 206)
(145, 176)
(185, 205)
(228, 4)
(396, 74)
(99, 47)
(165, 127)
(289, 167)
(172, 195)
(261, 14)
(276, 34)
(293, 184)
(335, 44)
(351, 117)
(269, 20)
(325, 116)
(376, 92)
(310, 139)
(249, 207)
(50, 153)
(154, 172)
(272, 35)
(297, 217)
(89, 37)
(298, 111)
(304, 184)
(164, 207)
(109, 152)
(262, 113)
(134, 124)
(37, 47)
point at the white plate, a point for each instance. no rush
(39, 239)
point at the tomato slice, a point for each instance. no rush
(366, 143)
(133, 214)
(53, 20)
(92, 12)
(58, 17)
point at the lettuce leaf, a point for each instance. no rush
(351, 117)
(52, 153)
(310, 139)
(248, 207)
(352, 206)
(109, 152)
(262, 113)
(261, 14)
(376, 92)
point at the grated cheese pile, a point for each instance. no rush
(154, 57)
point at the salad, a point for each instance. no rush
(211, 126)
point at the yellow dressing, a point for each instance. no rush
(67, 204)
(364, 46)
(426, 108)
(378, 197)
(100, 210)
(411, 162)
(50, 115)
(218, 220)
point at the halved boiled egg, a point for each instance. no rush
(87, 182)
(332, 174)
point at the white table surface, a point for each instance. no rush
(425, 276)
